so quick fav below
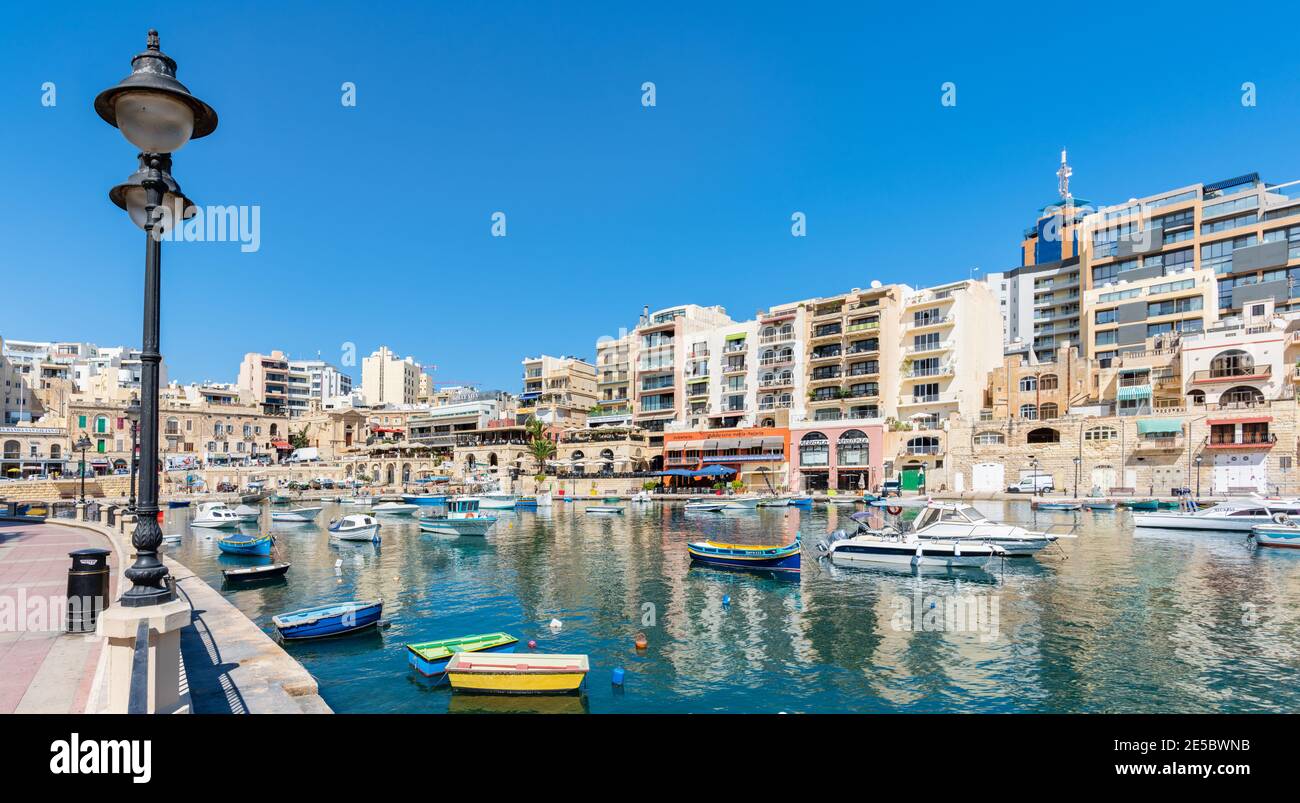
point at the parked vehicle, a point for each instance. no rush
(1037, 483)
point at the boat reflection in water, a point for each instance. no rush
(515, 704)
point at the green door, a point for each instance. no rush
(911, 479)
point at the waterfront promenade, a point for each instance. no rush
(46, 670)
(229, 665)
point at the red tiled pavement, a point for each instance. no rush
(43, 670)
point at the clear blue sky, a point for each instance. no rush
(375, 219)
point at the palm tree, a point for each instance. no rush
(540, 446)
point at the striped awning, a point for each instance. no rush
(1159, 426)
(1134, 392)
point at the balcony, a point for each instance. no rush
(779, 337)
(697, 354)
(822, 375)
(929, 348)
(820, 356)
(774, 405)
(735, 347)
(824, 332)
(866, 326)
(831, 312)
(735, 367)
(927, 322)
(1246, 440)
(777, 360)
(928, 371)
(929, 398)
(777, 382)
(1174, 443)
(1255, 373)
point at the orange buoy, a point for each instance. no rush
(641, 642)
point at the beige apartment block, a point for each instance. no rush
(782, 365)
(853, 355)
(1149, 313)
(389, 379)
(559, 391)
(615, 358)
(665, 364)
(266, 378)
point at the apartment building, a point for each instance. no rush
(1023, 388)
(853, 357)
(40, 376)
(665, 364)
(266, 377)
(389, 379)
(559, 391)
(782, 365)
(438, 425)
(1148, 313)
(615, 359)
(314, 380)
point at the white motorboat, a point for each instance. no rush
(298, 514)
(604, 509)
(745, 502)
(395, 509)
(1234, 515)
(497, 501)
(355, 527)
(774, 501)
(358, 501)
(463, 518)
(642, 497)
(905, 548)
(248, 513)
(215, 515)
(958, 521)
(701, 506)
(544, 499)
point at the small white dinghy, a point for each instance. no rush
(355, 527)
(704, 507)
(395, 509)
(298, 514)
(604, 509)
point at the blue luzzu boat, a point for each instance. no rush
(743, 556)
(179, 503)
(431, 657)
(240, 544)
(328, 620)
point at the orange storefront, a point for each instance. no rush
(759, 455)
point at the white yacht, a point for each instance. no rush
(215, 515)
(497, 501)
(1234, 515)
(957, 521)
(870, 546)
(742, 502)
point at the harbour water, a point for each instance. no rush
(1114, 620)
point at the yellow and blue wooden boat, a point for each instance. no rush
(431, 657)
(531, 673)
(744, 556)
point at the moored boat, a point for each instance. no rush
(1101, 505)
(430, 658)
(463, 518)
(906, 548)
(248, 513)
(1141, 504)
(702, 506)
(642, 496)
(1277, 534)
(803, 501)
(256, 572)
(178, 503)
(394, 509)
(958, 521)
(1054, 504)
(604, 509)
(424, 500)
(328, 620)
(241, 544)
(531, 673)
(298, 514)
(1235, 515)
(768, 557)
(774, 501)
(355, 527)
(215, 515)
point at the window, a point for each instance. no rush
(1047, 382)
(1101, 434)
(1105, 316)
(1108, 337)
(1043, 435)
(1029, 411)
(989, 438)
(1047, 411)
(1028, 383)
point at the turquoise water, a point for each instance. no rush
(1113, 621)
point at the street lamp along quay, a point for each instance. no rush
(158, 115)
(82, 444)
(133, 415)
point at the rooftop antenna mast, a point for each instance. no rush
(1063, 180)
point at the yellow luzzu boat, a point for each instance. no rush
(525, 673)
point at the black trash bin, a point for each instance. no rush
(87, 589)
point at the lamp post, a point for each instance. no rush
(1078, 461)
(82, 444)
(133, 415)
(1033, 482)
(158, 115)
(1198, 476)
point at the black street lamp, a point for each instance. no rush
(1077, 462)
(1198, 476)
(82, 444)
(158, 115)
(133, 414)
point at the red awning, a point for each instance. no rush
(1262, 419)
(386, 429)
(281, 444)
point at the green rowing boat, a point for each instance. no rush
(431, 657)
